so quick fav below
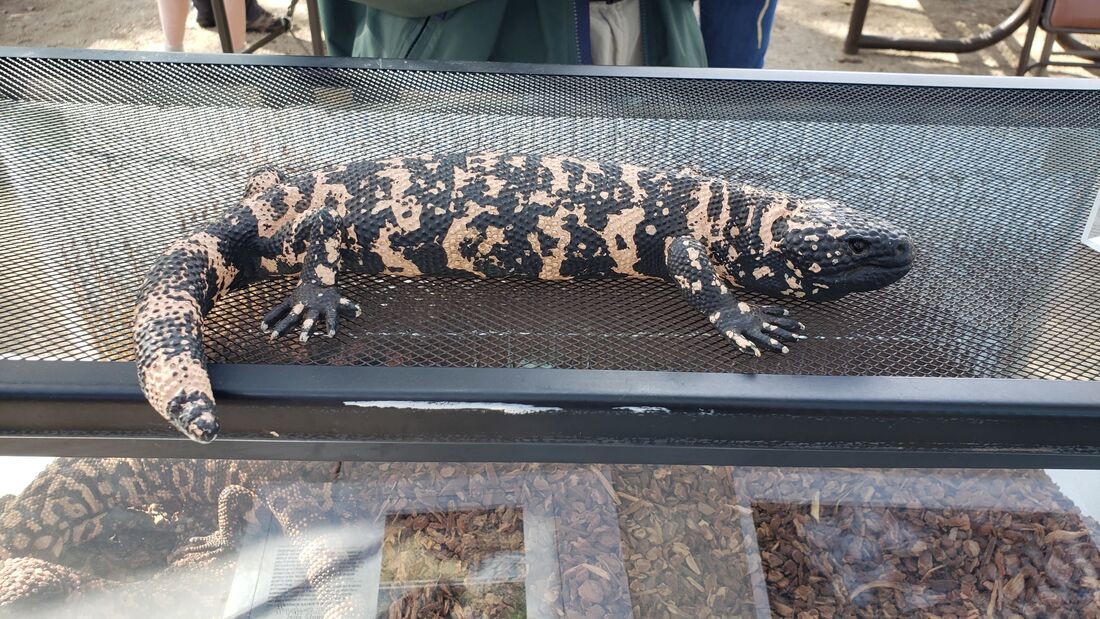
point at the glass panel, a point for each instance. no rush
(924, 542)
(480, 548)
(1092, 229)
(219, 538)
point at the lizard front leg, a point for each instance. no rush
(236, 509)
(749, 327)
(316, 299)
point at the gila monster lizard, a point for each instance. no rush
(500, 215)
(78, 502)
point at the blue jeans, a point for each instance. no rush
(736, 32)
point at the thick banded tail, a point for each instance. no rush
(178, 292)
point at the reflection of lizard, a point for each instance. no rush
(81, 503)
(38, 588)
(87, 512)
(489, 215)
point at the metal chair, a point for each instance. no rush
(856, 40)
(1061, 19)
(317, 39)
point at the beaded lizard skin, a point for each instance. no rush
(75, 504)
(500, 215)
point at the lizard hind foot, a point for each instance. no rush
(202, 549)
(194, 414)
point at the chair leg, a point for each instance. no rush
(855, 26)
(1024, 64)
(315, 34)
(221, 22)
(1044, 59)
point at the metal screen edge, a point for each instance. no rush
(300, 412)
(927, 80)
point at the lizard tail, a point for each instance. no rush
(178, 292)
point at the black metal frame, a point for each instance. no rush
(777, 75)
(301, 412)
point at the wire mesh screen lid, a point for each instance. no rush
(104, 163)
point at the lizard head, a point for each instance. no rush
(822, 250)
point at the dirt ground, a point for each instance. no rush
(808, 34)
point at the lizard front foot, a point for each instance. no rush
(754, 327)
(309, 304)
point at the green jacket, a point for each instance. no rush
(540, 31)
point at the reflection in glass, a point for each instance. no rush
(219, 538)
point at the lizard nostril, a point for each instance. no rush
(902, 248)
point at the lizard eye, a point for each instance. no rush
(858, 246)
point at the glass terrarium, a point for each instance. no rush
(544, 449)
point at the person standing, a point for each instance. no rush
(646, 32)
(736, 32)
(173, 22)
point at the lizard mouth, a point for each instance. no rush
(865, 277)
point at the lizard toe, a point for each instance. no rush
(763, 340)
(307, 325)
(743, 343)
(201, 549)
(782, 334)
(790, 324)
(773, 310)
(348, 307)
